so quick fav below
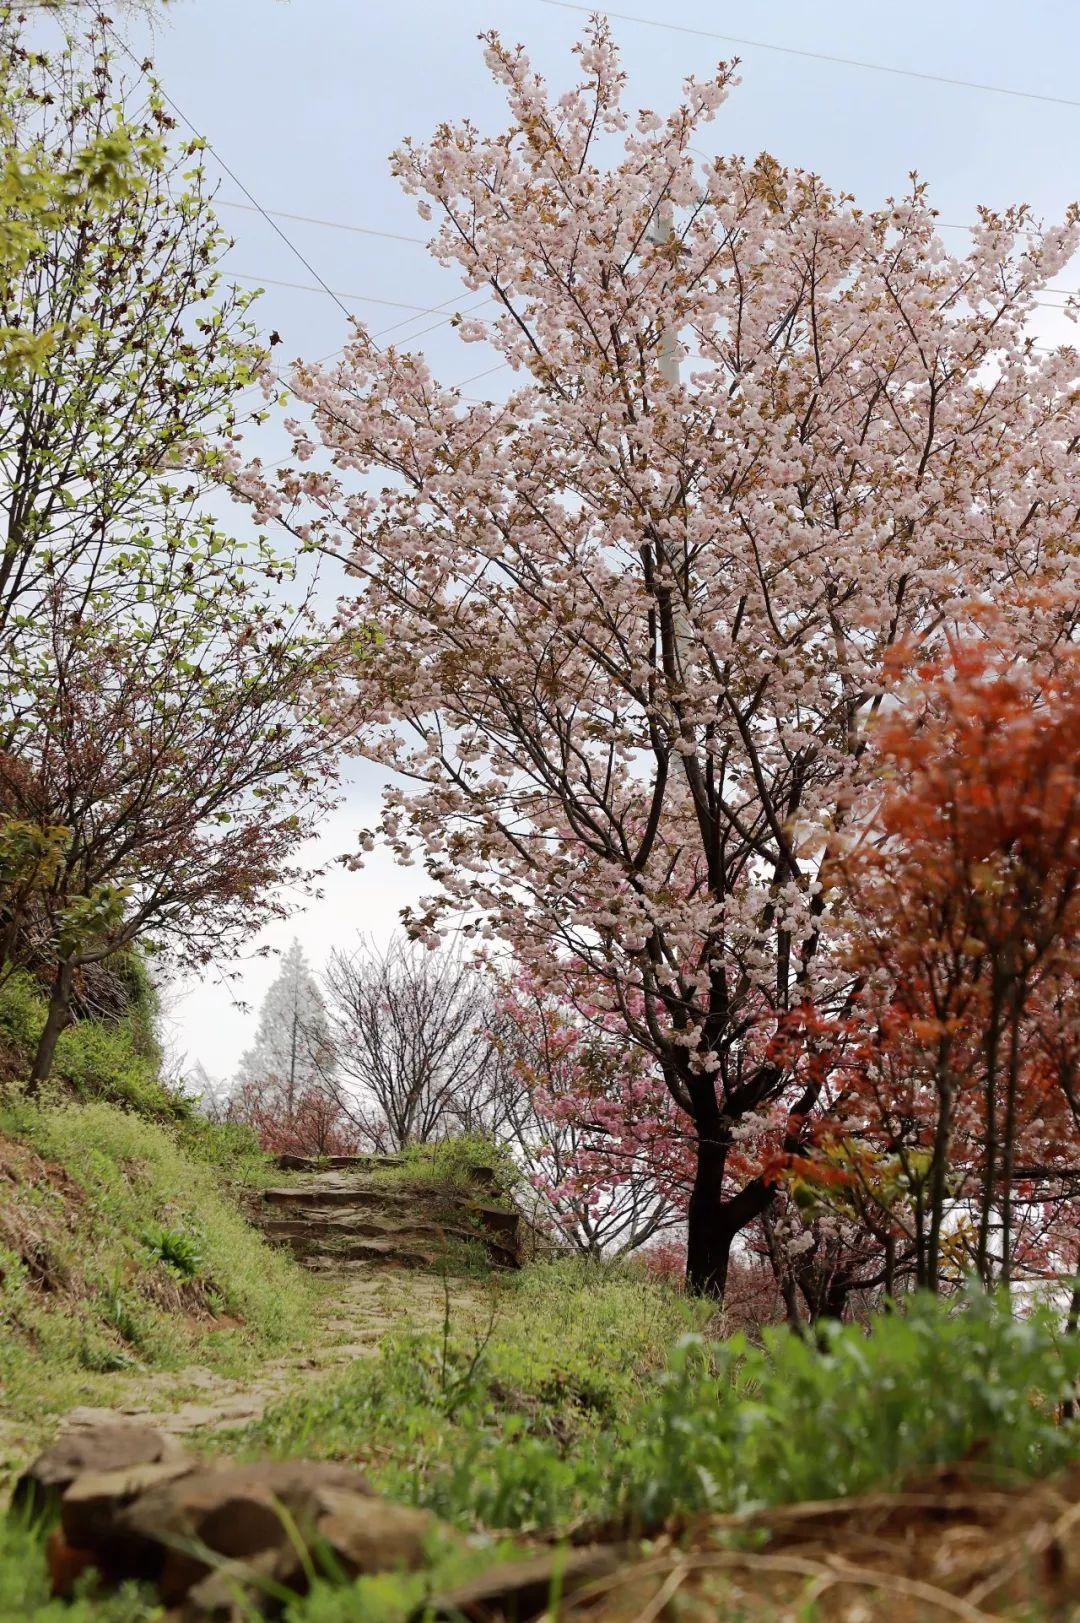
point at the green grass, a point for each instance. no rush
(116, 1059)
(586, 1400)
(122, 1247)
(24, 1588)
(514, 1394)
(452, 1164)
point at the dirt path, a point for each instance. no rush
(356, 1310)
(379, 1246)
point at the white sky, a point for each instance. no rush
(304, 99)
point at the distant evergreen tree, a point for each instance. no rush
(292, 1051)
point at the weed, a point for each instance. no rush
(469, 1162)
(179, 1250)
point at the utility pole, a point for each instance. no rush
(669, 348)
(664, 231)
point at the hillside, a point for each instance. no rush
(550, 1409)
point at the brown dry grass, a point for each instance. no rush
(955, 1548)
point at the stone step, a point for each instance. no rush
(318, 1198)
(335, 1163)
(332, 1226)
(337, 1213)
(345, 1192)
(333, 1236)
(364, 1254)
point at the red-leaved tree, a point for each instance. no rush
(954, 1134)
(310, 1121)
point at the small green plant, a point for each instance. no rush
(119, 1312)
(179, 1250)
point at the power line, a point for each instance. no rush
(357, 298)
(422, 242)
(308, 219)
(433, 310)
(253, 201)
(817, 56)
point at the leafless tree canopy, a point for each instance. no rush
(412, 1042)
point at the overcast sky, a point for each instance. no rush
(304, 99)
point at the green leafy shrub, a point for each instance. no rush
(739, 1426)
(117, 1058)
(230, 1147)
(22, 1015)
(99, 1060)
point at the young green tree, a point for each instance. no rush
(161, 752)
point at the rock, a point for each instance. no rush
(364, 1535)
(111, 1446)
(234, 1511)
(350, 1534)
(90, 1506)
(227, 1594)
(521, 1589)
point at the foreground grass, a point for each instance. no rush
(593, 1400)
(123, 1249)
(24, 1589)
(573, 1401)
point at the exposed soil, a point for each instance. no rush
(953, 1546)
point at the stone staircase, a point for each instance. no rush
(344, 1212)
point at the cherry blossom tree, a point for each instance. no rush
(605, 1146)
(635, 614)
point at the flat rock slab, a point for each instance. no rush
(521, 1590)
(232, 1409)
(96, 1440)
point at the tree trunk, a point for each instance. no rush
(56, 1020)
(712, 1222)
(708, 1237)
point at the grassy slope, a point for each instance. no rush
(122, 1246)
